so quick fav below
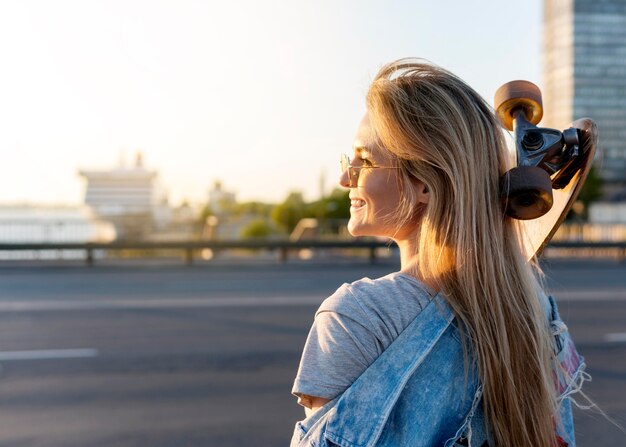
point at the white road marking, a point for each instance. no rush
(203, 302)
(48, 354)
(161, 303)
(616, 337)
(590, 295)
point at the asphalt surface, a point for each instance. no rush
(167, 355)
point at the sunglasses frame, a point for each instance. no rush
(355, 171)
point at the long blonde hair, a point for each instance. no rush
(445, 135)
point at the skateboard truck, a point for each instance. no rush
(547, 159)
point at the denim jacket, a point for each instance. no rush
(419, 392)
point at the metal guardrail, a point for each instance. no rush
(189, 247)
(618, 246)
(284, 247)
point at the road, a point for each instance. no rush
(166, 355)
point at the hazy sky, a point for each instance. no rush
(263, 95)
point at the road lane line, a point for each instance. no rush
(590, 295)
(47, 354)
(205, 302)
(616, 337)
(165, 303)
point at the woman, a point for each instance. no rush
(461, 346)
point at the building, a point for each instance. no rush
(121, 190)
(584, 67)
(125, 196)
(221, 201)
(52, 224)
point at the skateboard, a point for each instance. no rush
(550, 166)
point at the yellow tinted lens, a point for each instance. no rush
(353, 172)
(344, 163)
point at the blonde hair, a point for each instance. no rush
(445, 135)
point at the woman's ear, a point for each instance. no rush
(422, 193)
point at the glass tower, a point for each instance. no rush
(584, 75)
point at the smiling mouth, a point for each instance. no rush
(357, 203)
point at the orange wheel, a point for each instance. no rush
(518, 95)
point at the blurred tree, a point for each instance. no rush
(338, 204)
(591, 192)
(253, 208)
(334, 206)
(204, 213)
(288, 213)
(257, 229)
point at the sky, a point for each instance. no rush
(263, 96)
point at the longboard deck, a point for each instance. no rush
(536, 233)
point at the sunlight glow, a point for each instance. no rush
(260, 95)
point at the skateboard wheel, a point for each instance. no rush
(518, 96)
(526, 192)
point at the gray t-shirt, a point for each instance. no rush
(353, 327)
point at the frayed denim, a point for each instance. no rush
(420, 392)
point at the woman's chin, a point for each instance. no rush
(356, 229)
(352, 228)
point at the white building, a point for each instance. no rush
(127, 197)
(220, 200)
(120, 191)
(40, 224)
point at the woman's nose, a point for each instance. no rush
(344, 179)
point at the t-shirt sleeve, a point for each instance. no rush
(340, 346)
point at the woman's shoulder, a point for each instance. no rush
(379, 292)
(386, 304)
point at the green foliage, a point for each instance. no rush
(206, 212)
(592, 189)
(257, 229)
(336, 205)
(591, 192)
(253, 208)
(288, 213)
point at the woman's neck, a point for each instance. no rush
(408, 254)
(409, 262)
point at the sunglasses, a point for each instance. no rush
(355, 171)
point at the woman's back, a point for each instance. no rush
(438, 398)
(428, 158)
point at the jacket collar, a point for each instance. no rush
(362, 411)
